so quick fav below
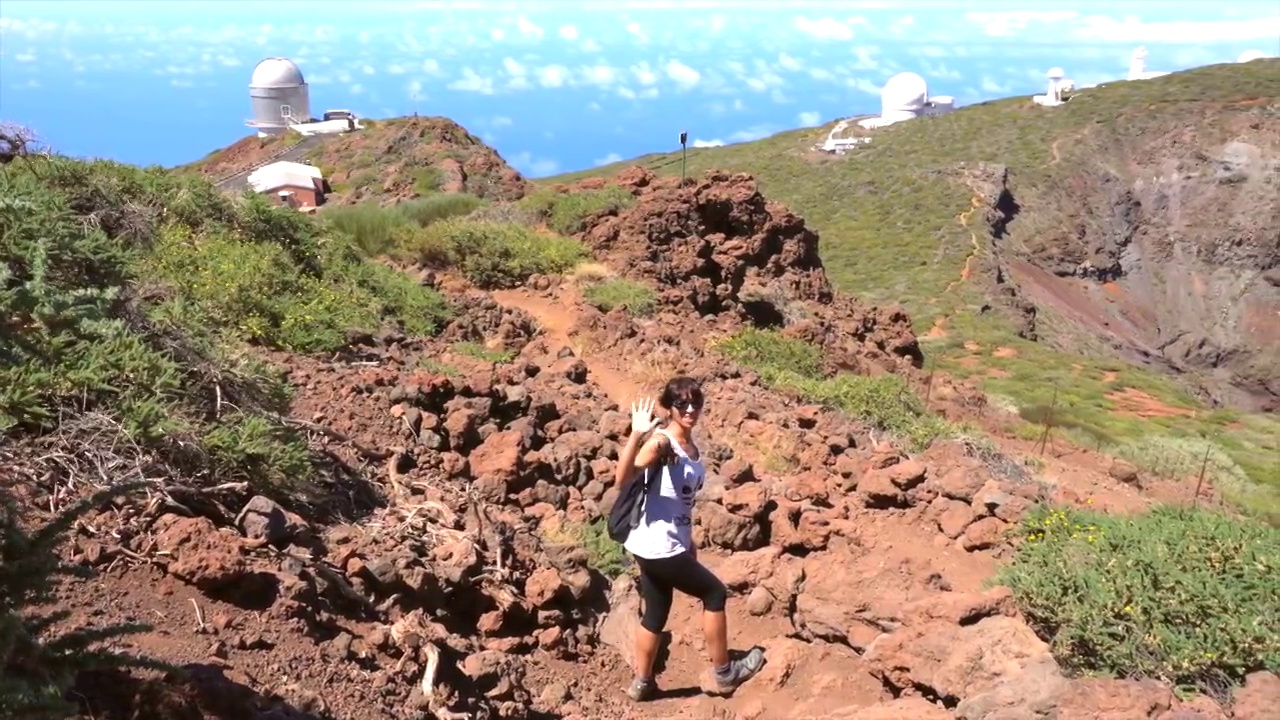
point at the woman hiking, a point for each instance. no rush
(662, 542)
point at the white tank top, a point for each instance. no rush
(666, 529)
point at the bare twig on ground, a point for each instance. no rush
(367, 452)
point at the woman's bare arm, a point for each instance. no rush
(637, 454)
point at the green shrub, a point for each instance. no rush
(37, 665)
(480, 352)
(369, 225)
(427, 180)
(771, 353)
(566, 213)
(639, 299)
(253, 292)
(885, 402)
(493, 255)
(377, 229)
(126, 297)
(1181, 595)
(440, 206)
(605, 555)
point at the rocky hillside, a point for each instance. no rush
(388, 161)
(1050, 250)
(359, 493)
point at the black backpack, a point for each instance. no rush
(629, 507)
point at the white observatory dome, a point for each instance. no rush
(1056, 73)
(905, 95)
(278, 95)
(276, 72)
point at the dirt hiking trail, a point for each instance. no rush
(557, 315)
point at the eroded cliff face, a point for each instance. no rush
(1165, 248)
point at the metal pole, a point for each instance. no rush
(684, 149)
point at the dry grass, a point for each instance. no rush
(591, 272)
(774, 450)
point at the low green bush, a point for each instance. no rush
(441, 206)
(639, 299)
(566, 213)
(885, 402)
(492, 255)
(127, 296)
(1181, 595)
(375, 228)
(771, 354)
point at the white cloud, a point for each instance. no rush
(527, 28)
(609, 159)
(635, 29)
(862, 84)
(865, 61)
(992, 86)
(699, 143)
(531, 166)
(516, 71)
(809, 119)
(430, 67)
(788, 63)
(497, 35)
(824, 29)
(683, 75)
(1097, 28)
(1071, 25)
(501, 121)
(415, 89)
(471, 81)
(599, 75)
(644, 74)
(590, 45)
(553, 76)
(1004, 24)
(569, 32)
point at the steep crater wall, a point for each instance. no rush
(1172, 258)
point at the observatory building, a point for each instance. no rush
(1138, 66)
(279, 97)
(906, 97)
(1059, 86)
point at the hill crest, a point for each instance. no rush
(387, 161)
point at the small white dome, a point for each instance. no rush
(1056, 73)
(1250, 56)
(276, 72)
(905, 91)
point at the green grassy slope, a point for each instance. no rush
(888, 217)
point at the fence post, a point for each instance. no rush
(1204, 465)
(1048, 421)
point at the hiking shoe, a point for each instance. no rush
(739, 671)
(642, 689)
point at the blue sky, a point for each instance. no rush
(558, 86)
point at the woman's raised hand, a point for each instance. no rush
(642, 418)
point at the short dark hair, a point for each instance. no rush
(679, 391)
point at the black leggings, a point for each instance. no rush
(683, 572)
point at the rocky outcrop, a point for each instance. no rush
(1169, 255)
(717, 248)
